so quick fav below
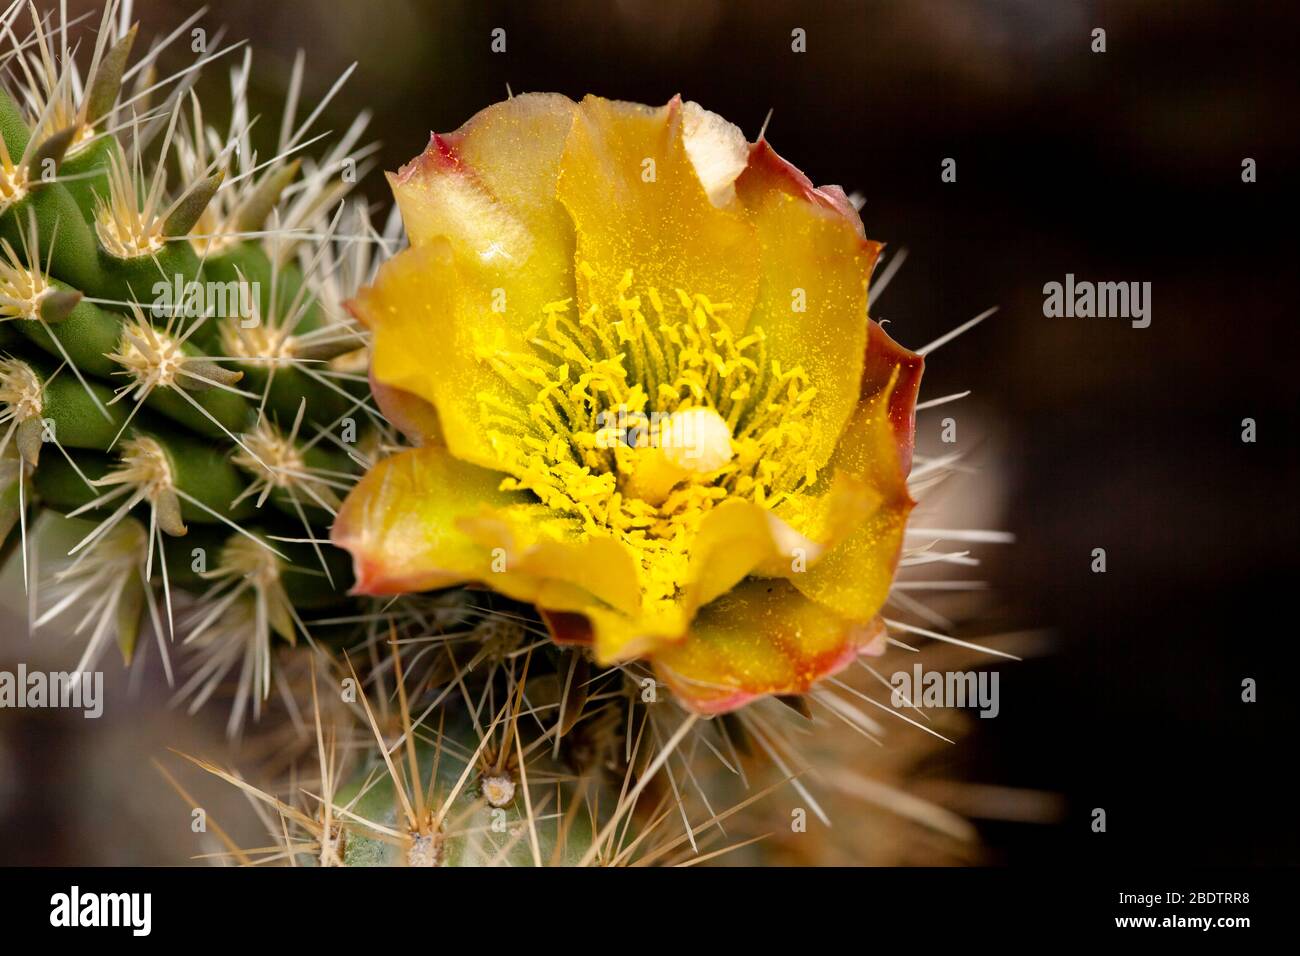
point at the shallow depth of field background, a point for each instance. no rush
(1123, 166)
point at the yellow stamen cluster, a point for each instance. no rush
(601, 390)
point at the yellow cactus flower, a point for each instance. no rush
(633, 351)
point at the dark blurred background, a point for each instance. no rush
(1116, 166)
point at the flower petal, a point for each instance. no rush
(718, 151)
(429, 340)
(812, 294)
(854, 575)
(423, 519)
(883, 357)
(733, 539)
(534, 544)
(491, 246)
(489, 187)
(867, 473)
(762, 637)
(854, 578)
(400, 522)
(412, 415)
(638, 203)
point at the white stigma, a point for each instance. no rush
(682, 446)
(696, 440)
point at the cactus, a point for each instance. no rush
(178, 369)
(182, 378)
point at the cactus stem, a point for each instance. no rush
(278, 464)
(26, 294)
(423, 835)
(154, 358)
